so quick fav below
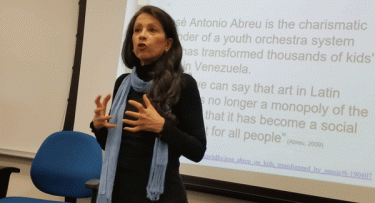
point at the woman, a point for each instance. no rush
(162, 120)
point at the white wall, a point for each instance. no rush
(37, 40)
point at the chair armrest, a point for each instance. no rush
(4, 179)
(94, 185)
(9, 169)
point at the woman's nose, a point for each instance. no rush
(142, 34)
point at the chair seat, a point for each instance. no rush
(25, 200)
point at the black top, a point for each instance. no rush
(186, 138)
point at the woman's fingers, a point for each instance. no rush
(97, 101)
(101, 107)
(148, 119)
(133, 114)
(104, 118)
(130, 122)
(134, 129)
(135, 123)
(137, 105)
(100, 120)
(106, 99)
(147, 101)
(98, 111)
(108, 125)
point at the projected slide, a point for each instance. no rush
(287, 86)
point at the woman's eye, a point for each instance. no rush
(153, 30)
(137, 30)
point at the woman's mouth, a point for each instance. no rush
(142, 46)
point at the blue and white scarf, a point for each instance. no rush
(155, 186)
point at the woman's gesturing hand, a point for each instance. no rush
(100, 119)
(148, 119)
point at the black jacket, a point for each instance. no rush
(186, 138)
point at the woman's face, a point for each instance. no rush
(149, 40)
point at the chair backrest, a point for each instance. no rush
(64, 162)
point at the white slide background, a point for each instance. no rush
(287, 87)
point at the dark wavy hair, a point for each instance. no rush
(167, 75)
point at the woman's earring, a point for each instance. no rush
(166, 51)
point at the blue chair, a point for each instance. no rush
(63, 164)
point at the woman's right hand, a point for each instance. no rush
(100, 119)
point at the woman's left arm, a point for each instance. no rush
(188, 137)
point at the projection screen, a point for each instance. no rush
(286, 87)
